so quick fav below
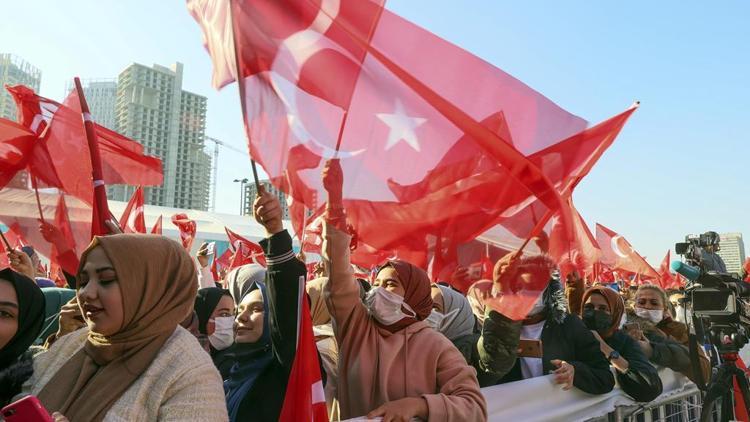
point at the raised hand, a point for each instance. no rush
(267, 211)
(21, 263)
(333, 181)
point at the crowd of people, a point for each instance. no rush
(135, 338)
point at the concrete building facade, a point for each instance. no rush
(251, 192)
(101, 96)
(732, 251)
(152, 108)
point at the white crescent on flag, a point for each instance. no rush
(616, 247)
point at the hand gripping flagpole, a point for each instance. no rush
(241, 87)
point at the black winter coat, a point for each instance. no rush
(572, 342)
(641, 381)
(265, 399)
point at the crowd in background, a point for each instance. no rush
(135, 338)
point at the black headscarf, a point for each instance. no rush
(30, 316)
(205, 304)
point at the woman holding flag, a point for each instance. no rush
(266, 323)
(392, 364)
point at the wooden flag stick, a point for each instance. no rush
(7, 245)
(36, 193)
(241, 87)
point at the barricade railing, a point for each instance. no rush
(541, 399)
(684, 406)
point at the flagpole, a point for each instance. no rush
(101, 207)
(36, 193)
(7, 245)
(241, 88)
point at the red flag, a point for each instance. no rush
(16, 145)
(122, 159)
(617, 253)
(304, 399)
(64, 246)
(245, 251)
(666, 279)
(157, 227)
(358, 81)
(19, 210)
(224, 261)
(187, 229)
(133, 219)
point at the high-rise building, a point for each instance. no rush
(15, 71)
(251, 192)
(732, 251)
(101, 96)
(153, 109)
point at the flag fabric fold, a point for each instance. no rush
(187, 228)
(354, 75)
(133, 219)
(305, 399)
(620, 255)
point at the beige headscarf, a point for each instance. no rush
(318, 309)
(158, 282)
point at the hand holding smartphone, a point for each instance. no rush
(27, 409)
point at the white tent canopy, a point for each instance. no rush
(18, 203)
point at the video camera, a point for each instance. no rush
(693, 246)
(719, 300)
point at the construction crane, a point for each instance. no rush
(215, 164)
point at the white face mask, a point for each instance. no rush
(223, 335)
(653, 315)
(439, 321)
(385, 306)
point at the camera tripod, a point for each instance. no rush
(721, 388)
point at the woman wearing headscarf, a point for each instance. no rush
(134, 362)
(214, 308)
(241, 279)
(391, 363)
(602, 310)
(453, 316)
(325, 341)
(21, 320)
(266, 335)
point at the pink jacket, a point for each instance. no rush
(377, 366)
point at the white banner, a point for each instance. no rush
(540, 399)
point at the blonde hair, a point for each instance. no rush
(659, 290)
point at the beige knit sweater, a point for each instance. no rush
(182, 383)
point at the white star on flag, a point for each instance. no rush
(401, 127)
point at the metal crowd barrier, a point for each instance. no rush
(684, 406)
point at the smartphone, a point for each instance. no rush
(529, 348)
(27, 409)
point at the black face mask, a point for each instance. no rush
(597, 320)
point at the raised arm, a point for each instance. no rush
(284, 277)
(341, 291)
